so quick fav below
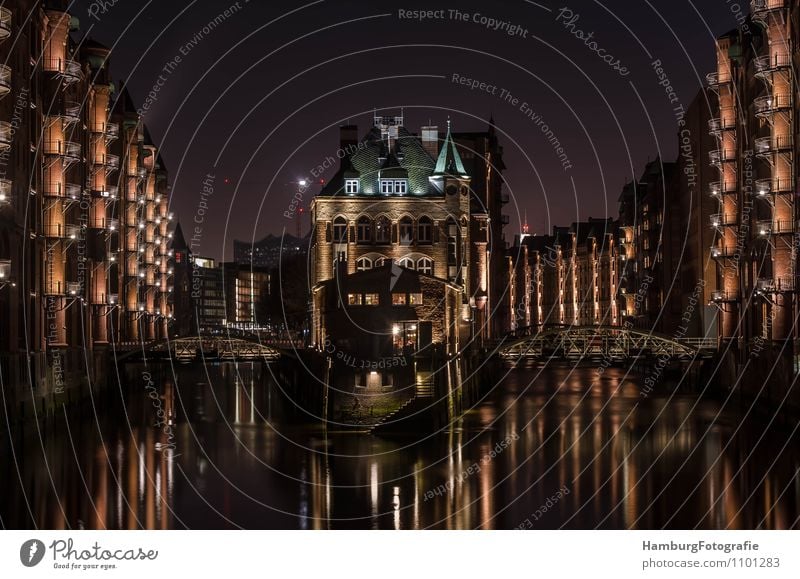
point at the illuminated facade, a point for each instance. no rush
(83, 204)
(401, 204)
(755, 246)
(568, 278)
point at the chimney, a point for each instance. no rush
(430, 140)
(348, 140)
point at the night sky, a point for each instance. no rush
(257, 102)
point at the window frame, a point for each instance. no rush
(364, 223)
(425, 223)
(340, 222)
(404, 261)
(386, 237)
(428, 265)
(351, 186)
(407, 223)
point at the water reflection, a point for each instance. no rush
(210, 452)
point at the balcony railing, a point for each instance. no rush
(109, 193)
(767, 145)
(774, 227)
(723, 219)
(718, 156)
(54, 288)
(5, 191)
(112, 132)
(766, 186)
(715, 79)
(69, 150)
(767, 105)
(73, 191)
(5, 80)
(112, 162)
(5, 269)
(717, 188)
(776, 285)
(724, 296)
(723, 123)
(105, 223)
(723, 251)
(761, 8)
(6, 134)
(69, 70)
(5, 23)
(772, 62)
(60, 231)
(72, 112)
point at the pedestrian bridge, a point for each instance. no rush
(226, 347)
(611, 343)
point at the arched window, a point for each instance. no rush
(363, 264)
(364, 229)
(406, 262)
(425, 265)
(380, 262)
(383, 230)
(425, 230)
(340, 230)
(406, 231)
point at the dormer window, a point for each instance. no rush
(351, 186)
(394, 186)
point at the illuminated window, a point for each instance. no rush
(351, 186)
(387, 186)
(380, 262)
(371, 299)
(340, 230)
(383, 230)
(424, 230)
(354, 299)
(363, 264)
(398, 299)
(425, 265)
(415, 299)
(400, 187)
(406, 262)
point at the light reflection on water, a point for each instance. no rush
(625, 462)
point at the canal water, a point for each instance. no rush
(207, 447)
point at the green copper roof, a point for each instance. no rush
(449, 161)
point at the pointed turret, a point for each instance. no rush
(449, 161)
